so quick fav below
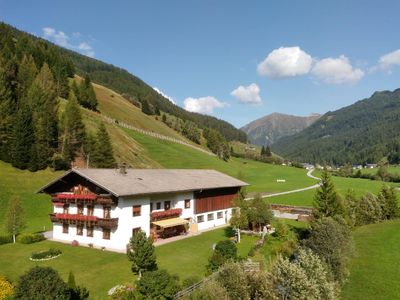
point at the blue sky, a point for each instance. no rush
(236, 60)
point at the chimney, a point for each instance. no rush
(122, 168)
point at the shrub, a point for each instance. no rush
(5, 239)
(45, 254)
(74, 243)
(281, 230)
(6, 288)
(30, 238)
(233, 279)
(190, 281)
(368, 210)
(158, 285)
(227, 249)
(41, 283)
(210, 291)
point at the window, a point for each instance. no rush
(136, 210)
(106, 234)
(107, 212)
(79, 229)
(90, 210)
(167, 205)
(89, 231)
(136, 230)
(80, 209)
(219, 215)
(151, 206)
(210, 217)
(200, 219)
(187, 203)
(65, 228)
(158, 206)
(65, 208)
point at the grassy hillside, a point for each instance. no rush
(375, 271)
(24, 184)
(261, 176)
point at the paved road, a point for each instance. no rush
(309, 174)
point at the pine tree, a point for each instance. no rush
(102, 154)
(388, 201)
(44, 103)
(91, 100)
(141, 252)
(267, 151)
(24, 139)
(71, 281)
(146, 108)
(15, 220)
(74, 134)
(7, 108)
(262, 151)
(26, 75)
(327, 202)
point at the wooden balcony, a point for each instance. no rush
(107, 223)
(110, 223)
(68, 198)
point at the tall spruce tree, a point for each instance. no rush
(7, 108)
(74, 134)
(102, 154)
(141, 252)
(23, 137)
(27, 72)
(44, 103)
(327, 202)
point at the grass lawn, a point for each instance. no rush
(343, 184)
(375, 271)
(100, 270)
(261, 176)
(390, 169)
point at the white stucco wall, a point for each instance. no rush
(119, 237)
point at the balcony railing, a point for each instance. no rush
(165, 214)
(93, 220)
(103, 199)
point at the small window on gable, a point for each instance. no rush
(187, 203)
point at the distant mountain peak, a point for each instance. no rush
(272, 127)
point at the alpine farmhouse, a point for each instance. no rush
(105, 207)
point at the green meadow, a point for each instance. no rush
(375, 269)
(101, 270)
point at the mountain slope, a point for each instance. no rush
(268, 129)
(132, 87)
(363, 132)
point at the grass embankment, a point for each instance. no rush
(343, 184)
(375, 271)
(261, 177)
(100, 270)
(24, 184)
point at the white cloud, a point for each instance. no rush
(164, 95)
(285, 62)
(336, 71)
(247, 94)
(202, 105)
(388, 61)
(63, 40)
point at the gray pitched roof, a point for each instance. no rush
(154, 181)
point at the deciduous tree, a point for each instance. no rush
(15, 218)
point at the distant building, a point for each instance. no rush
(105, 207)
(371, 166)
(357, 167)
(307, 166)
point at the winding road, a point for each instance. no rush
(309, 174)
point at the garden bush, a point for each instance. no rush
(30, 238)
(5, 239)
(45, 254)
(6, 288)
